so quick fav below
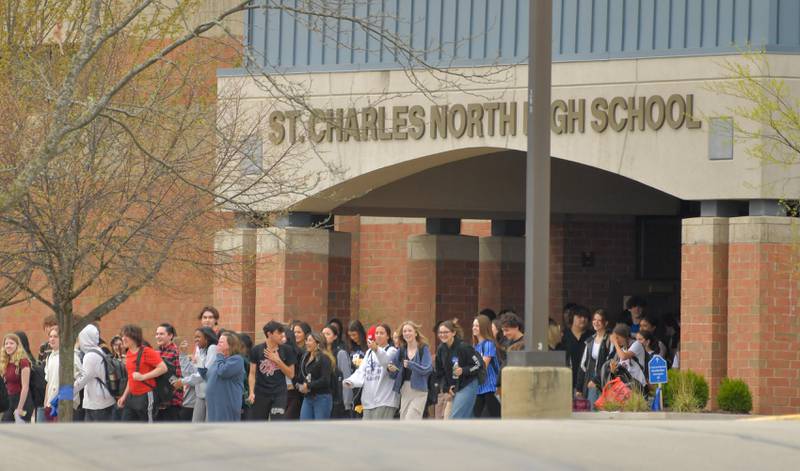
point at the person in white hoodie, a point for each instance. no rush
(51, 372)
(378, 398)
(98, 403)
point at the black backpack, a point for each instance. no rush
(116, 378)
(163, 388)
(4, 405)
(37, 384)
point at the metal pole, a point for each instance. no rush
(537, 173)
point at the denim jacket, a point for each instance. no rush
(421, 367)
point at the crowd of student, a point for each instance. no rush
(300, 374)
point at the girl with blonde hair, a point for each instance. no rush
(16, 368)
(411, 371)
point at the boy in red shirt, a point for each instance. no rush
(139, 399)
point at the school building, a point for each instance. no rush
(418, 212)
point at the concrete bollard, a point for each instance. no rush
(536, 392)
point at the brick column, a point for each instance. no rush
(302, 273)
(704, 299)
(501, 279)
(234, 284)
(764, 328)
(442, 279)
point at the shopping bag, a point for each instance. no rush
(614, 391)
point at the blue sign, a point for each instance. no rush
(657, 370)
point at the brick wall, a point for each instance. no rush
(764, 328)
(382, 262)
(612, 240)
(179, 305)
(704, 299)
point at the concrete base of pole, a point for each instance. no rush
(536, 392)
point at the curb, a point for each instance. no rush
(773, 418)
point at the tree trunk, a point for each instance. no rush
(66, 352)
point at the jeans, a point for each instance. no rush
(464, 402)
(316, 407)
(98, 415)
(592, 394)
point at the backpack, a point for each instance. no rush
(37, 384)
(116, 378)
(163, 388)
(4, 405)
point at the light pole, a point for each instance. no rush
(537, 192)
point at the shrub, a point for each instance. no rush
(694, 386)
(613, 406)
(684, 399)
(637, 402)
(734, 396)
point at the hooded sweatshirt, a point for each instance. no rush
(374, 379)
(51, 375)
(93, 371)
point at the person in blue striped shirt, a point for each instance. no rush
(486, 403)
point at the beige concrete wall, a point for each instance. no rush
(674, 161)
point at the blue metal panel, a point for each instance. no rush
(647, 22)
(600, 26)
(479, 32)
(616, 29)
(583, 40)
(788, 21)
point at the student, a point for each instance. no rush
(143, 365)
(44, 349)
(513, 332)
(205, 341)
(117, 348)
(15, 365)
(165, 335)
(316, 371)
(98, 403)
(634, 313)
(356, 347)
(342, 397)
(357, 342)
(650, 324)
(461, 362)
(247, 347)
(372, 376)
(630, 355)
(575, 338)
(411, 371)
(298, 332)
(339, 344)
(597, 351)
(486, 403)
(51, 372)
(209, 317)
(274, 362)
(226, 380)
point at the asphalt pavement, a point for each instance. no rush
(487, 445)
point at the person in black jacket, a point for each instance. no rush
(459, 365)
(315, 379)
(597, 351)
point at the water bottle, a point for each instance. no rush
(455, 365)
